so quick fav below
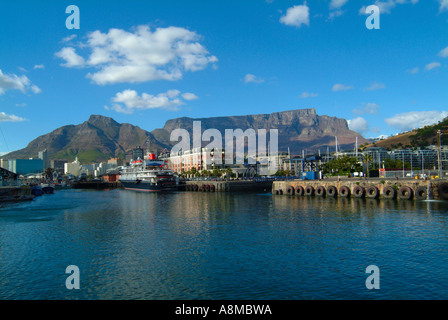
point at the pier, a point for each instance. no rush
(228, 186)
(375, 188)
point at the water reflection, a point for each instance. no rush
(194, 245)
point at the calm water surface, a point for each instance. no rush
(131, 245)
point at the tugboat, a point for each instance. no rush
(150, 175)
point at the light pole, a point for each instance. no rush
(402, 153)
(439, 133)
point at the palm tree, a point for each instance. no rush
(366, 158)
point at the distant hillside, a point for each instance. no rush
(394, 142)
(96, 139)
(100, 138)
(417, 138)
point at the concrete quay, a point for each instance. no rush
(228, 186)
(375, 188)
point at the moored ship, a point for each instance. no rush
(150, 175)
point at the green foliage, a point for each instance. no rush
(342, 166)
(396, 164)
(428, 135)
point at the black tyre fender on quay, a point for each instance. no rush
(332, 191)
(290, 191)
(279, 192)
(320, 191)
(389, 192)
(359, 192)
(372, 192)
(300, 191)
(405, 193)
(421, 193)
(344, 192)
(309, 191)
(443, 191)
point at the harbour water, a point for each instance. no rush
(185, 245)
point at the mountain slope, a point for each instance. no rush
(97, 139)
(100, 138)
(297, 129)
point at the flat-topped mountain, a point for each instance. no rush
(297, 129)
(100, 137)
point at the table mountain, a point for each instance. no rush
(100, 138)
(297, 129)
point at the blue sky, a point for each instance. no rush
(144, 62)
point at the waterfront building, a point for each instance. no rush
(73, 168)
(4, 164)
(58, 165)
(117, 162)
(103, 168)
(25, 166)
(43, 155)
(7, 178)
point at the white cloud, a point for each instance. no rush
(15, 82)
(72, 59)
(387, 5)
(69, 38)
(128, 101)
(336, 4)
(335, 13)
(432, 66)
(414, 71)
(143, 55)
(189, 96)
(35, 89)
(444, 52)
(252, 78)
(10, 118)
(367, 108)
(335, 8)
(341, 87)
(308, 95)
(443, 5)
(415, 119)
(359, 124)
(376, 86)
(39, 66)
(296, 16)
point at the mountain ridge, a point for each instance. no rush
(100, 137)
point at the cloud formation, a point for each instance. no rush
(128, 101)
(15, 82)
(367, 108)
(432, 66)
(415, 119)
(296, 16)
(10, 118)
(376, 86)
(386, 6)
(248, 78)
(143, 55)
(444, 53)
(358, 124)
(308, 95)
(341, 87)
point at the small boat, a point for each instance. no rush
(16, 194)
(37, 191)
(47, 189)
